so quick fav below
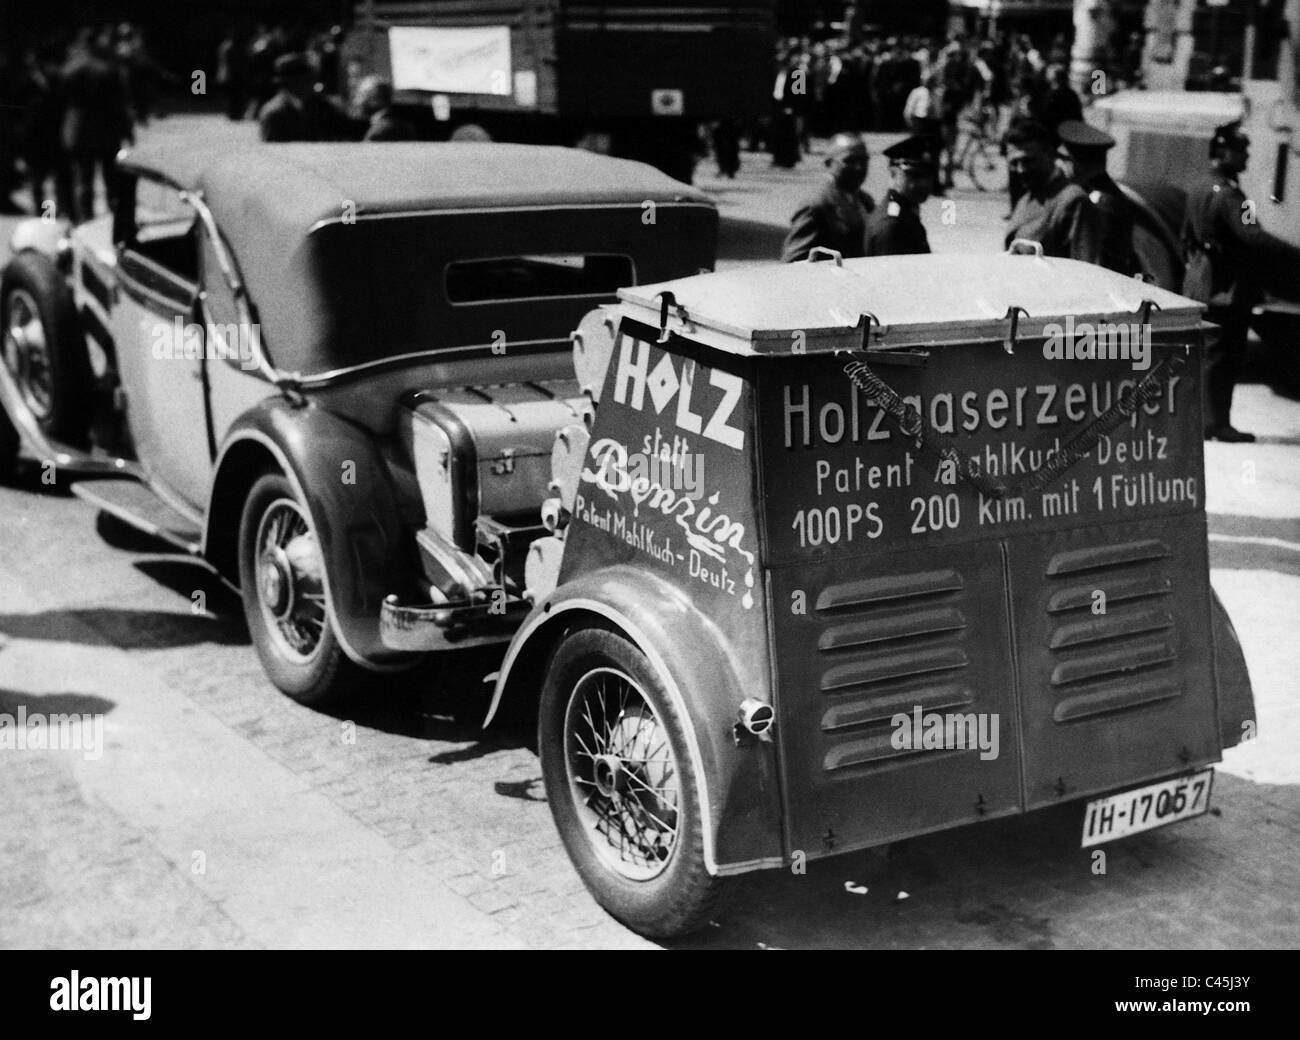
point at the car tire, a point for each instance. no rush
(8, 447)
(653, 881)
(281, 581)
(44, 349)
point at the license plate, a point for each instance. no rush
(1147, 807)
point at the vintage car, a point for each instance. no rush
(332, 372)
(790, 561)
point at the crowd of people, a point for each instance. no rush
(920, 85)
(67, 104)
(246, 64)
(70, 102)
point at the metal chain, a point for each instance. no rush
(941, 450)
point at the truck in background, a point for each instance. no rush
(626, 78)
(1162, 138)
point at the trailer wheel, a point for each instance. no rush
(43, 350)
(622, 786)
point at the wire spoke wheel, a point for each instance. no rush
(984, 167)
(26, 352)
(288, 580)
(623, 785)
(622, 774)
(282, 581)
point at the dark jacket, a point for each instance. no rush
(1231, 260)
(1060, 218)
(832, 219)
(1060, 104)
(316, 118)
(96, 119)
(896, 229)
(1116, 215)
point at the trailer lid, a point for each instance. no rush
(824, 305)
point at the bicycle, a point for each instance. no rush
(978, 152)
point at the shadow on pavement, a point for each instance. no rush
(186, 576)
(54, 703)
(128, 629)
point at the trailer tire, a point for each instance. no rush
(622, 786)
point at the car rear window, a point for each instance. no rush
(538, 276)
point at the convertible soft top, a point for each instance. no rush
(297, 186)
(345, 247)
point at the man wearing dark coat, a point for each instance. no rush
(1087, 147)
(297, 112)
(895, 228)
(836, 217)
(1053, 212)
(1231, 263)
(96, 120)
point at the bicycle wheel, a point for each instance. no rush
(985, 167)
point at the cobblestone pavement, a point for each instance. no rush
(221, 814)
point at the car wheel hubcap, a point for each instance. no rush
(289, 581)
(622, 774)
(27, 353)
(277, 583)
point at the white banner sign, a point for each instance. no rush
(454, 61)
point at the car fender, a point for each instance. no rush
(338, 474)
(1236, 698)
(47, 237)
(738, 777)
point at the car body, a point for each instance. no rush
(275, 311)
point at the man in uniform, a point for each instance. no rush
(1053, 211)
(896, 228)
(297, 112)
(1087, 149)
(1231, 261)
(836, 217)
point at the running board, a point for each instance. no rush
(134, 504)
